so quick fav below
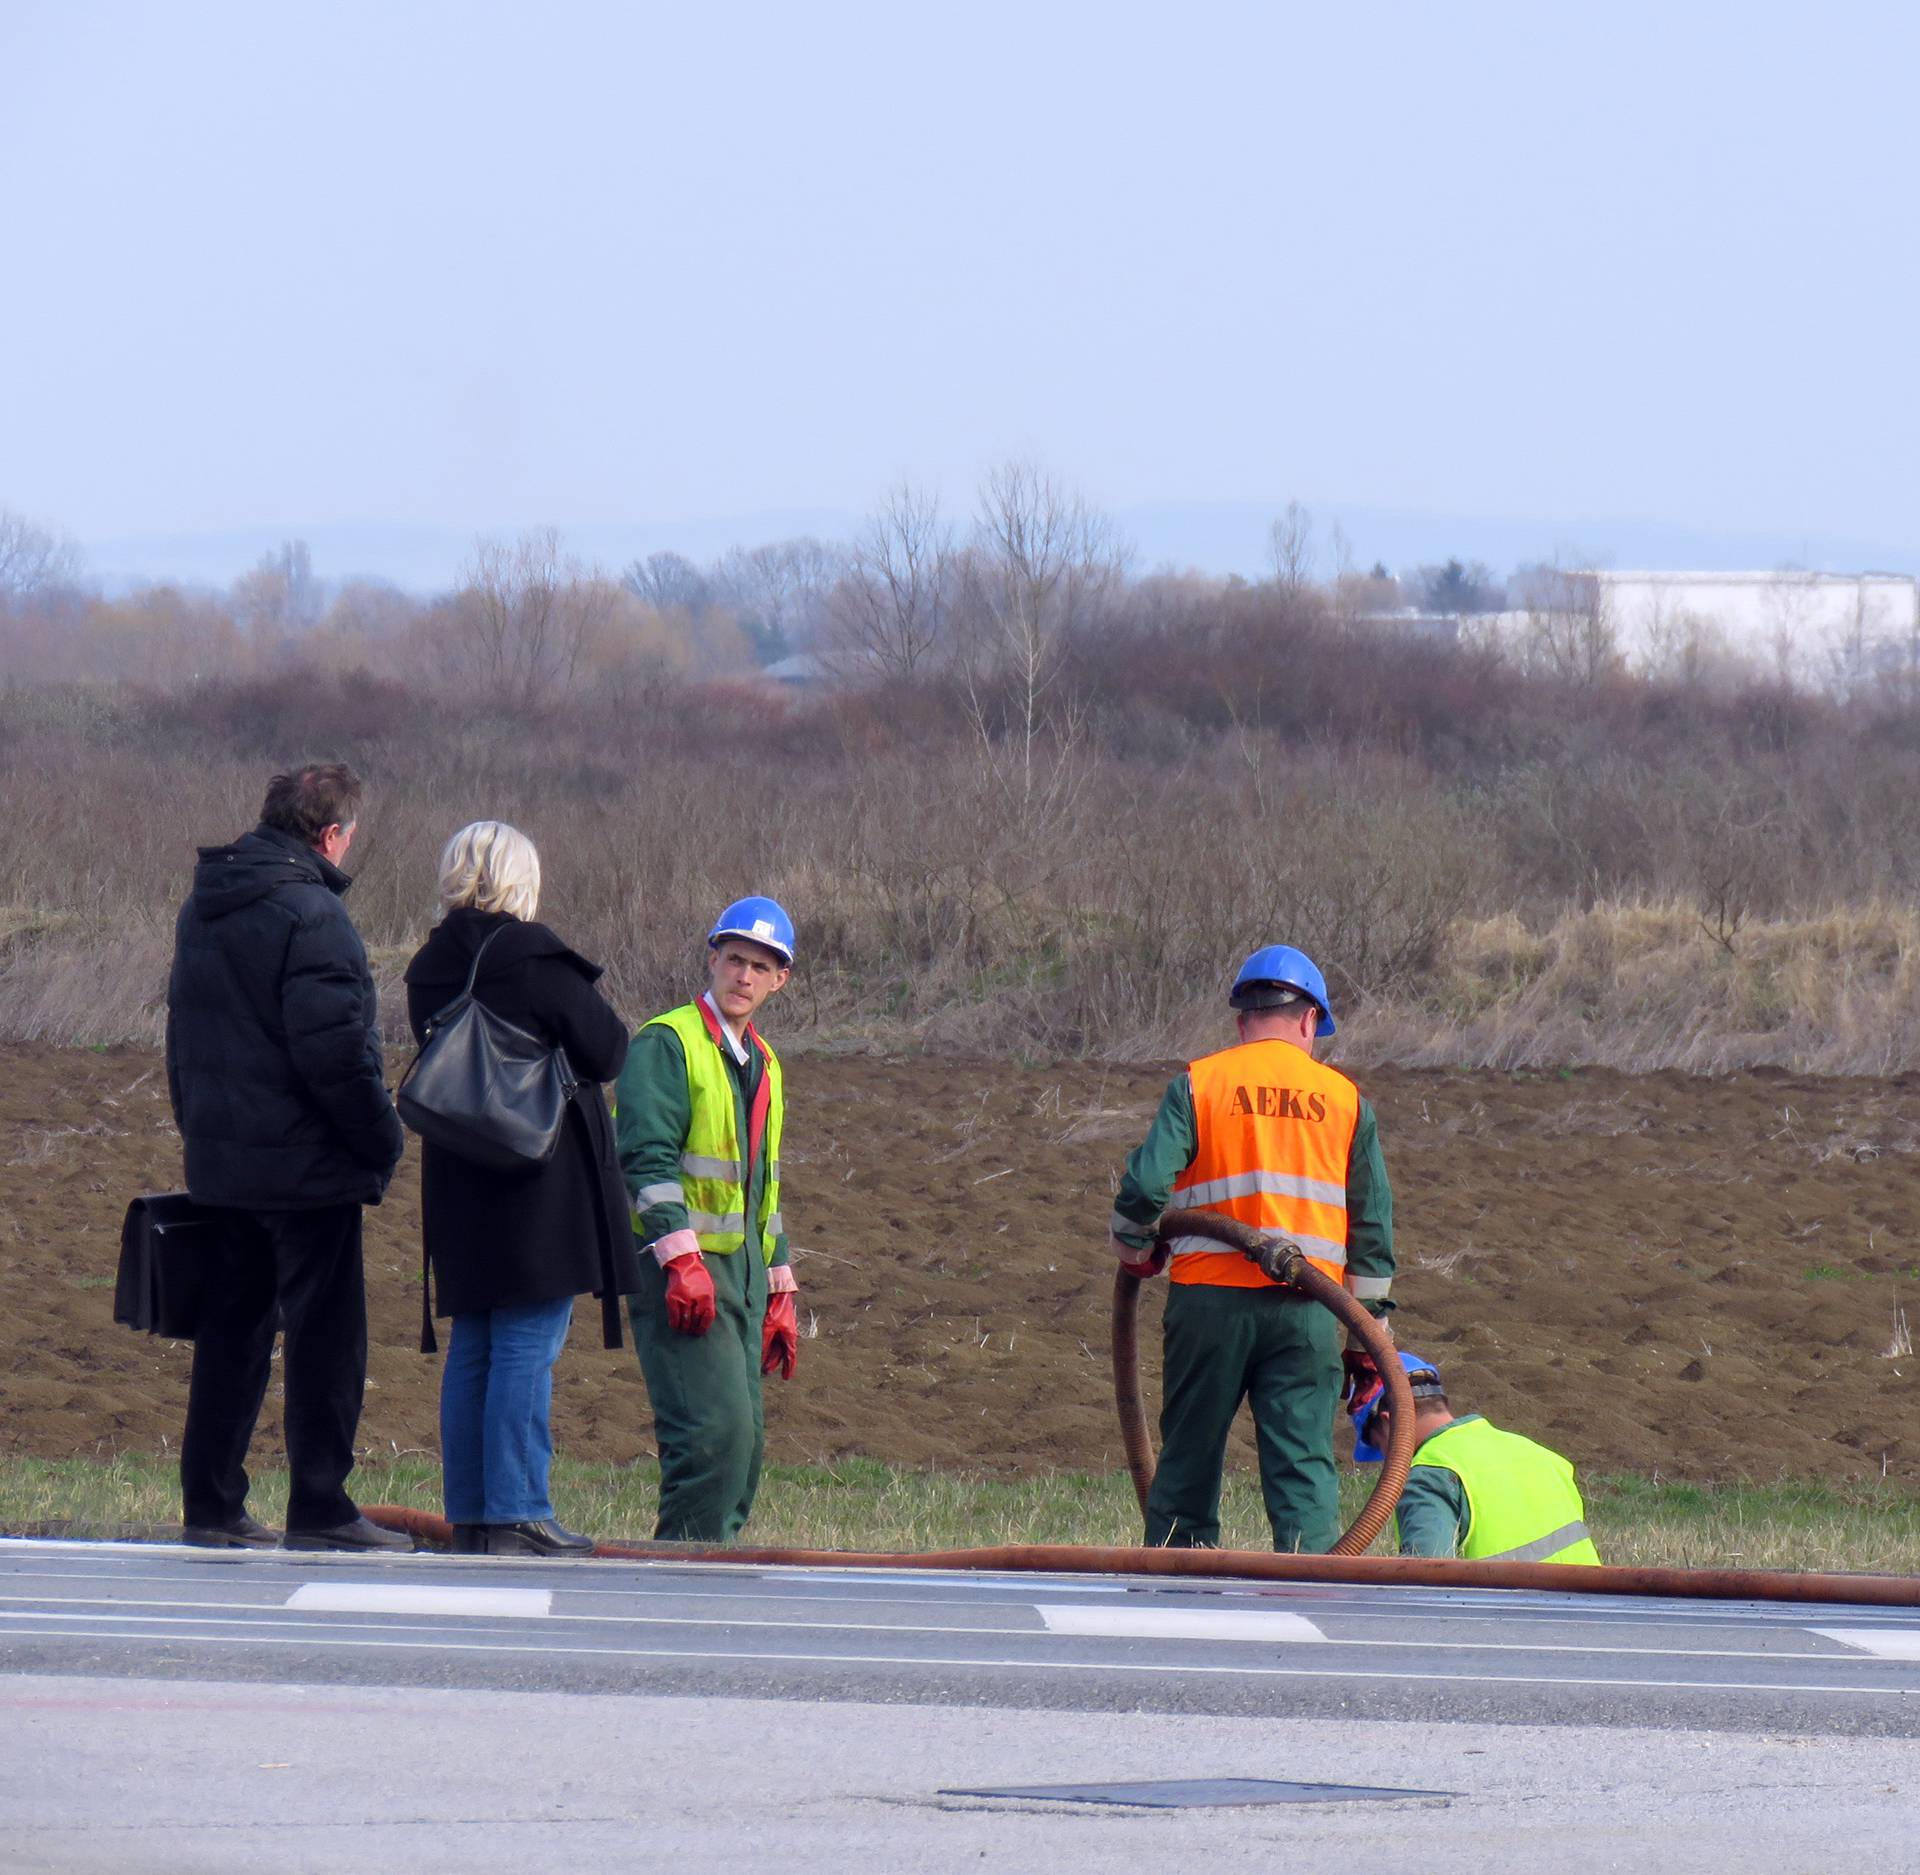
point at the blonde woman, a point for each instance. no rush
(511, 1250)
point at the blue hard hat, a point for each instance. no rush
(1364, 1408)
(759, 919)
(1277, 968)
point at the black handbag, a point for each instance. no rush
(484, 1089)
(173, 1254)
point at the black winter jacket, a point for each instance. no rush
(273, 1057)
(497, 1239)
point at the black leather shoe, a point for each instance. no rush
(469, 1539)
(545, 1538)
(246, 1533)
(360, 1534)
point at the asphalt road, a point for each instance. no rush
(911, 1636)
(556, 1708)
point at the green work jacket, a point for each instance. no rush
(1487, 1495)
(683, 1111)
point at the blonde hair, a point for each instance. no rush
(491, 867)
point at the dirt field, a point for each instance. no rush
(1693, 1278)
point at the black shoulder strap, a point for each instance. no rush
(473, 975)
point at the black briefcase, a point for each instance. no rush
(173, 1253)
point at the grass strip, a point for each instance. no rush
(862, 1504)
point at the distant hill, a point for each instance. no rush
(1211, 537)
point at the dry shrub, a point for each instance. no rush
(1488, 868)
(1644, 986)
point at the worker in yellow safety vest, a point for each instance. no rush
(1474, 1491)
(1263, 1133)
(698, 1116)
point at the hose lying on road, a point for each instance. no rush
(1346, 1565)
(1284, 1263)
(1225, 1565)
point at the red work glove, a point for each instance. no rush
(780, 1336)
(690, 1305)
(1141, 1263)
(1362, 1374)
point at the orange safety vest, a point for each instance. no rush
(1276, 1129)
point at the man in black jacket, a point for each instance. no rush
(279, 1090)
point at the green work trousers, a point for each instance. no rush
(1280, 1353)
(705, 1391)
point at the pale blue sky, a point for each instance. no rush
(462, 266)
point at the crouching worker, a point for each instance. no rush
(1474, 1491)
(698, 1114)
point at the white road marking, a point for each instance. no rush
(207, 1613)
(1180, 1624)
(996, 1581)
(1888, 1643)
(268, 1621)
(1361, 1604)
(404, 1598)
(1020, 1666)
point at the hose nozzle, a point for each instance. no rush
(1278, 1257)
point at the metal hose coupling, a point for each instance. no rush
(1276, 1257)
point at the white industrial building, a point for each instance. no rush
(1790, 617)
(1819, 628)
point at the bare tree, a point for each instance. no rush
(371, 611)
(1864, 642)
(1290, 544)
(1569, 630)
(526, 617)
(33, 558)
(279, 597)
(669, 580)
(1040, 561)
(779, 592)
(889, 612)
(1792, 606)
(1682, 647)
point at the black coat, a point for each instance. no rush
(273, 1054)
(496, 1239)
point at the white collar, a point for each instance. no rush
(734, 1041)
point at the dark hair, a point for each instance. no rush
(309, 799)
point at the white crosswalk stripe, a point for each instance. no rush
(1887, 1643)
(405, 1598)
(1179, 1624)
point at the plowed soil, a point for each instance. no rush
(1700, 1279)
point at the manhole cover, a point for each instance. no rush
(1187, 1793)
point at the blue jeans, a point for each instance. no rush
(496, 1402)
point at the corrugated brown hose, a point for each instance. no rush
(1284, 1263)
(1346, 1564)
(1229, 1565)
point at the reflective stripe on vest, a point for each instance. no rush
(1547, 1548)
(1275, 1133)
(1522, 1502)
(712, 1182)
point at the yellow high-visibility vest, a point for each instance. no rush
(1522, 1502)
(713, 1171)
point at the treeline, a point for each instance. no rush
(1043, 804)
(1028, 576)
